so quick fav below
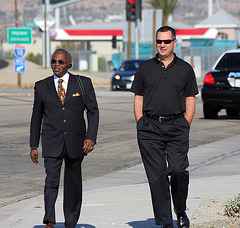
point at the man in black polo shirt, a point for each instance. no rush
(164, 105)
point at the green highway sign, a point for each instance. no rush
(19, 36)
(31, 24)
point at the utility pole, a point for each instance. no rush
(16, 13)
(19, 76)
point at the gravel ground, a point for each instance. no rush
(210, 214)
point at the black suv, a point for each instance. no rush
(221, 88)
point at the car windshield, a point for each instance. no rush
(229, 62)
(130, 65)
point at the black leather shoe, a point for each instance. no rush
(168, 226)
(183, 221)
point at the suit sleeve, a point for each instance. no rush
(36, 120)
(92, 111)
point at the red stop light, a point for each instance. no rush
(131, 1)
(133, 10)
(130, 10)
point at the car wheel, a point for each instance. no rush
(209, 111)
(231, 112)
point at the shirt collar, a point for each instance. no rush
(65, 77)
(158, 61)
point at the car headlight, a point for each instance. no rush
(117, 77)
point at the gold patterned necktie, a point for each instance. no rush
(61, 91)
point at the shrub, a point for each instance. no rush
(232, 207)
(34, 58)
(102, 64)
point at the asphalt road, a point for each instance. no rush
(116, 149)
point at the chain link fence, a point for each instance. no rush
(207, 55)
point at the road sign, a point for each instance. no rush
(39, 20)
(19, 51)
(20, 68)
(30, 24)
(19, 65)
(19, 36)
(19, 61)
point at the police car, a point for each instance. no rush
(221, 87)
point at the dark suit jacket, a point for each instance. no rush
(63, 124)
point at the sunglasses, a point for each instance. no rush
(61, 62)
(164, 41)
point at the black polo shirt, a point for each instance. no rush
(164, 89)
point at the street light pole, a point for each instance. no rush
(46, 36)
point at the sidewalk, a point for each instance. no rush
(113, 201)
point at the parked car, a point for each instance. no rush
(221, 88)
(123, 77)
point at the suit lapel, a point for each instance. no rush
(72, 83)
(52, 90)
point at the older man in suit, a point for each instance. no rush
(58, 116)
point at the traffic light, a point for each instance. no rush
(133, 10)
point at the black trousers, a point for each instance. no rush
(72, 199)
(164, 147)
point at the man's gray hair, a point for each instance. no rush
(69, 56)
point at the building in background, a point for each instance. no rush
(108, 40)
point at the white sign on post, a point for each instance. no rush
(39, 20)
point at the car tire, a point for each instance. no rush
(232, 112)
(209, 111)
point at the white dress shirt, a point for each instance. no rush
(65, 79)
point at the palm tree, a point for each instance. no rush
(167, 6)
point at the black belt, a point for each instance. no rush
(162, 118)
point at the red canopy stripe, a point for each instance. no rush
(104, 32)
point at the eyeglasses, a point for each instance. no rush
(61, 62)
(164, 41)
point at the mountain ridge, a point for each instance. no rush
(188, 12)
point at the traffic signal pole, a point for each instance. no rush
(136, 39)
(133, 14)
(129, 41)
